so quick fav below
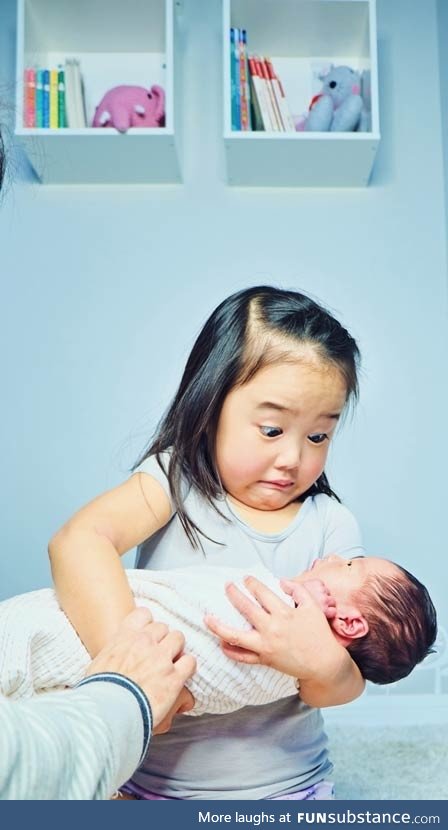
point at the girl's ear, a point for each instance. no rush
(349, 626)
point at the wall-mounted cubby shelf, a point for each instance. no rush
(116, 43)
(302, 36)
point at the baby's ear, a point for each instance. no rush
(349, 626)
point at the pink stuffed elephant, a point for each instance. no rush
(131, 106)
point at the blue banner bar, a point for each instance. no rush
(235, 815)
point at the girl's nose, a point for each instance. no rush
(289, 457)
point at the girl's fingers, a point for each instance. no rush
(298, 592)
(269, 601)
(232, 636)
(287, 586)
(241, 655)
(252, 612)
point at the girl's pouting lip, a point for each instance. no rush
(277, 485)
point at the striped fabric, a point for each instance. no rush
(58, 747)
(40, 650)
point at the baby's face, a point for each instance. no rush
(344, 577)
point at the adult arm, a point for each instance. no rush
(85, 555)
(79, 744)
(84, 743)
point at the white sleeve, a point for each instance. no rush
(342, 533)
(79, 744)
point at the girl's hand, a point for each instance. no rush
(318, 591)
(296, 641)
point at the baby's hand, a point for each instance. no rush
(318, 591)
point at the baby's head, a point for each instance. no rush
(384, 615)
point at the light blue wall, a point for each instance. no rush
(442, 20)
(103, 291)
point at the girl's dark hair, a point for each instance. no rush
(249, 330)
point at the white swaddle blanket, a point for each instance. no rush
(40, 650)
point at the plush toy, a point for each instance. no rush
(131, 106)
(339, 107)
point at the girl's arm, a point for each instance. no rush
(296, 641)
(90, 582)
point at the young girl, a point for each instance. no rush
(234, 476)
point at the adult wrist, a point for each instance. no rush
(130, 687)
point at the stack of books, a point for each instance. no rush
(258, 100)
(54, 98)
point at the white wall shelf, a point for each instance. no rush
(302, 36)
(116, 43)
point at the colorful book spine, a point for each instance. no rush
(29, 100)
(53, 99)
(235, 75)
(244, 83)
(62, 116)
(39, 98)
(45, 98)
(236, 70)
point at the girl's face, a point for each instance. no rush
(274, 432)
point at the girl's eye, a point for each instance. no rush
(319, 438)
(271, 432)
(349, 563)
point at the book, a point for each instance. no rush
(70, 98)
(53, 99)
(258, 122)
(245, 118)
(62, 120)
(29, 98)
(276, 123)
(282, 103)
(74, 95)
(39, 98)
(269, 79)
(80, 102)
(45, 98)
(263, 95)
(234, 78)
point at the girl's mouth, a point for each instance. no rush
(278, 485)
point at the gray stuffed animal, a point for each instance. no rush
(339, 107)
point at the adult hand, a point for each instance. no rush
(151, 656)
(183, 703)
(296, 641)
